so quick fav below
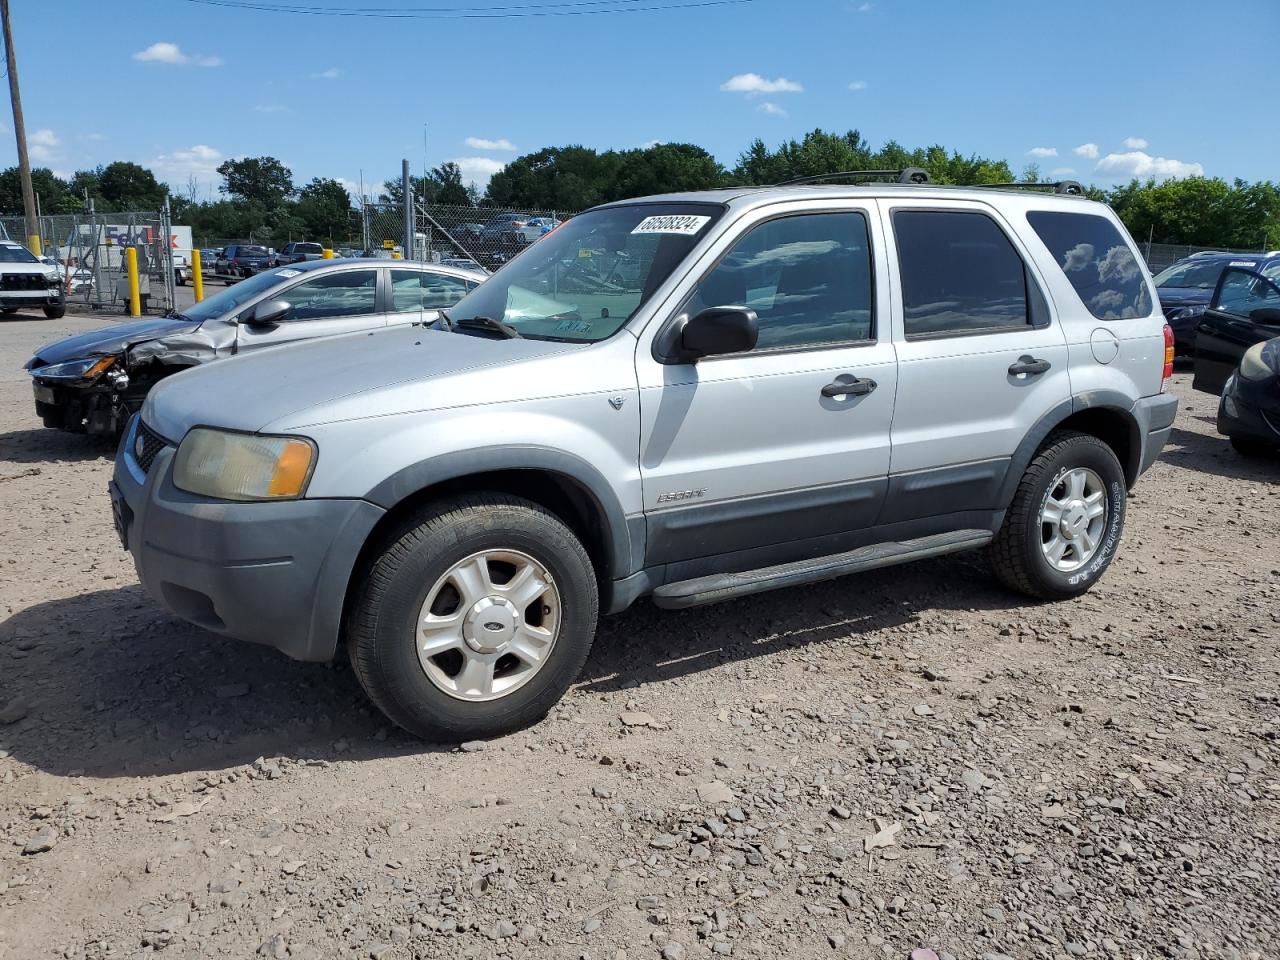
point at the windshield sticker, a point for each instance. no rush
(288, 273)
(1243, 263)
(573, 326)
(684, 225)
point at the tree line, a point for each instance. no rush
(260, 199)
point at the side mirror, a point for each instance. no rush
(719, 330)
(268, 313)
(1267, 316)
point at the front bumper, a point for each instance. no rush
(95, 408)
(1250, 409)
(31, 298)
(268, 573)
(1155, 423)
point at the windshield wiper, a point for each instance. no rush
(488, 324)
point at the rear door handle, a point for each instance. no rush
(1029, 365)
(852, 388)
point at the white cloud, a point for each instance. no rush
(1059, 171)
(478, 170)
(92, 136)
(752, 84)
(178, 167)
(40, 145)
(772, 109)
(1087, 150)
(480, 143)
(270, 108)
(858, 85)
(866, 7)
(1143, 165)
(63, 174)
(1135, 143)
(1043, 152)
(651, 143)
(332, 73)
(171, 53)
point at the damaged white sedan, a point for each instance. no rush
(93, 382)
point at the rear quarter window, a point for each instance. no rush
(1102, 267)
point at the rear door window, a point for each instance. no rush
(960, 274)
(1102, 267)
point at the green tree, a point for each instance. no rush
(128, 186)
(665, 168)
(324, 207)
(54, 195)
(1201, 211)
(263, 180)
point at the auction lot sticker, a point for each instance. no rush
(684, 225)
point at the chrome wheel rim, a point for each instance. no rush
(488, 625)
(1073, 518)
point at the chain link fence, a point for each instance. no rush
(89, 251)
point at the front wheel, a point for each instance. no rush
(56, 312)
(474, 618)
(1064, 525)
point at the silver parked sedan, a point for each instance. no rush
(93, 382)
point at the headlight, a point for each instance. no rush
(1261, 361)
(242, 466)
(89, 368)
(1186, 313)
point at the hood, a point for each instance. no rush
(112, 339)
(1183, 296)
(330, 378)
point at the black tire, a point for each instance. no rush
(9, 311)
(56, 312)
(1016, 553)
(1252, 447)
(382, 624)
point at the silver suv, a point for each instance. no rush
(689, 397)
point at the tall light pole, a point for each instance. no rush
(20, 133)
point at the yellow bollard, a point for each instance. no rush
(131, 265)
(33, 244)
(328, 254)
(197, 276)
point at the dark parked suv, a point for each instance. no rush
(299, 253)
(241, 260)
(1186, 287)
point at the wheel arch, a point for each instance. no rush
(1107, 415)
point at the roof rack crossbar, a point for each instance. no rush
(1069, 187)
(905, 175)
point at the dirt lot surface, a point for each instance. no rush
(908, 760)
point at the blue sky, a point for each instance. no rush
(1103, 88)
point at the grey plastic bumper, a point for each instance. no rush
(1155, 423)
(269, 573)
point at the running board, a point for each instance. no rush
(723, 586)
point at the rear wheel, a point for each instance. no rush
(1064, 525)
(1252, 447)
(474, 618)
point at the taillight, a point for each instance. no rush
(1167, 373)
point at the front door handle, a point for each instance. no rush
(1029, 365)
(851, 388)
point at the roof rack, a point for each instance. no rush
(1071, 188)
(905, 175)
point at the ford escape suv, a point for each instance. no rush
(689, 397)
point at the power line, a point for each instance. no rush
(474, 13)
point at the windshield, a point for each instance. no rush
(1192, 274)
(585, 279)
(16, 254)
(229, 299)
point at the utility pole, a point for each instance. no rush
(20, 133)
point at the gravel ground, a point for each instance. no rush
(909, 760)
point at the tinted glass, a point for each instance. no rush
(347, 293)
(309, 248)
(1272, 269)
(1191, 273)
(1097, 260)
(226, 301)
(808, 279)
(251, 251)
(960, 274)
(1243, 291)
(585, 279)
(420, 290)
